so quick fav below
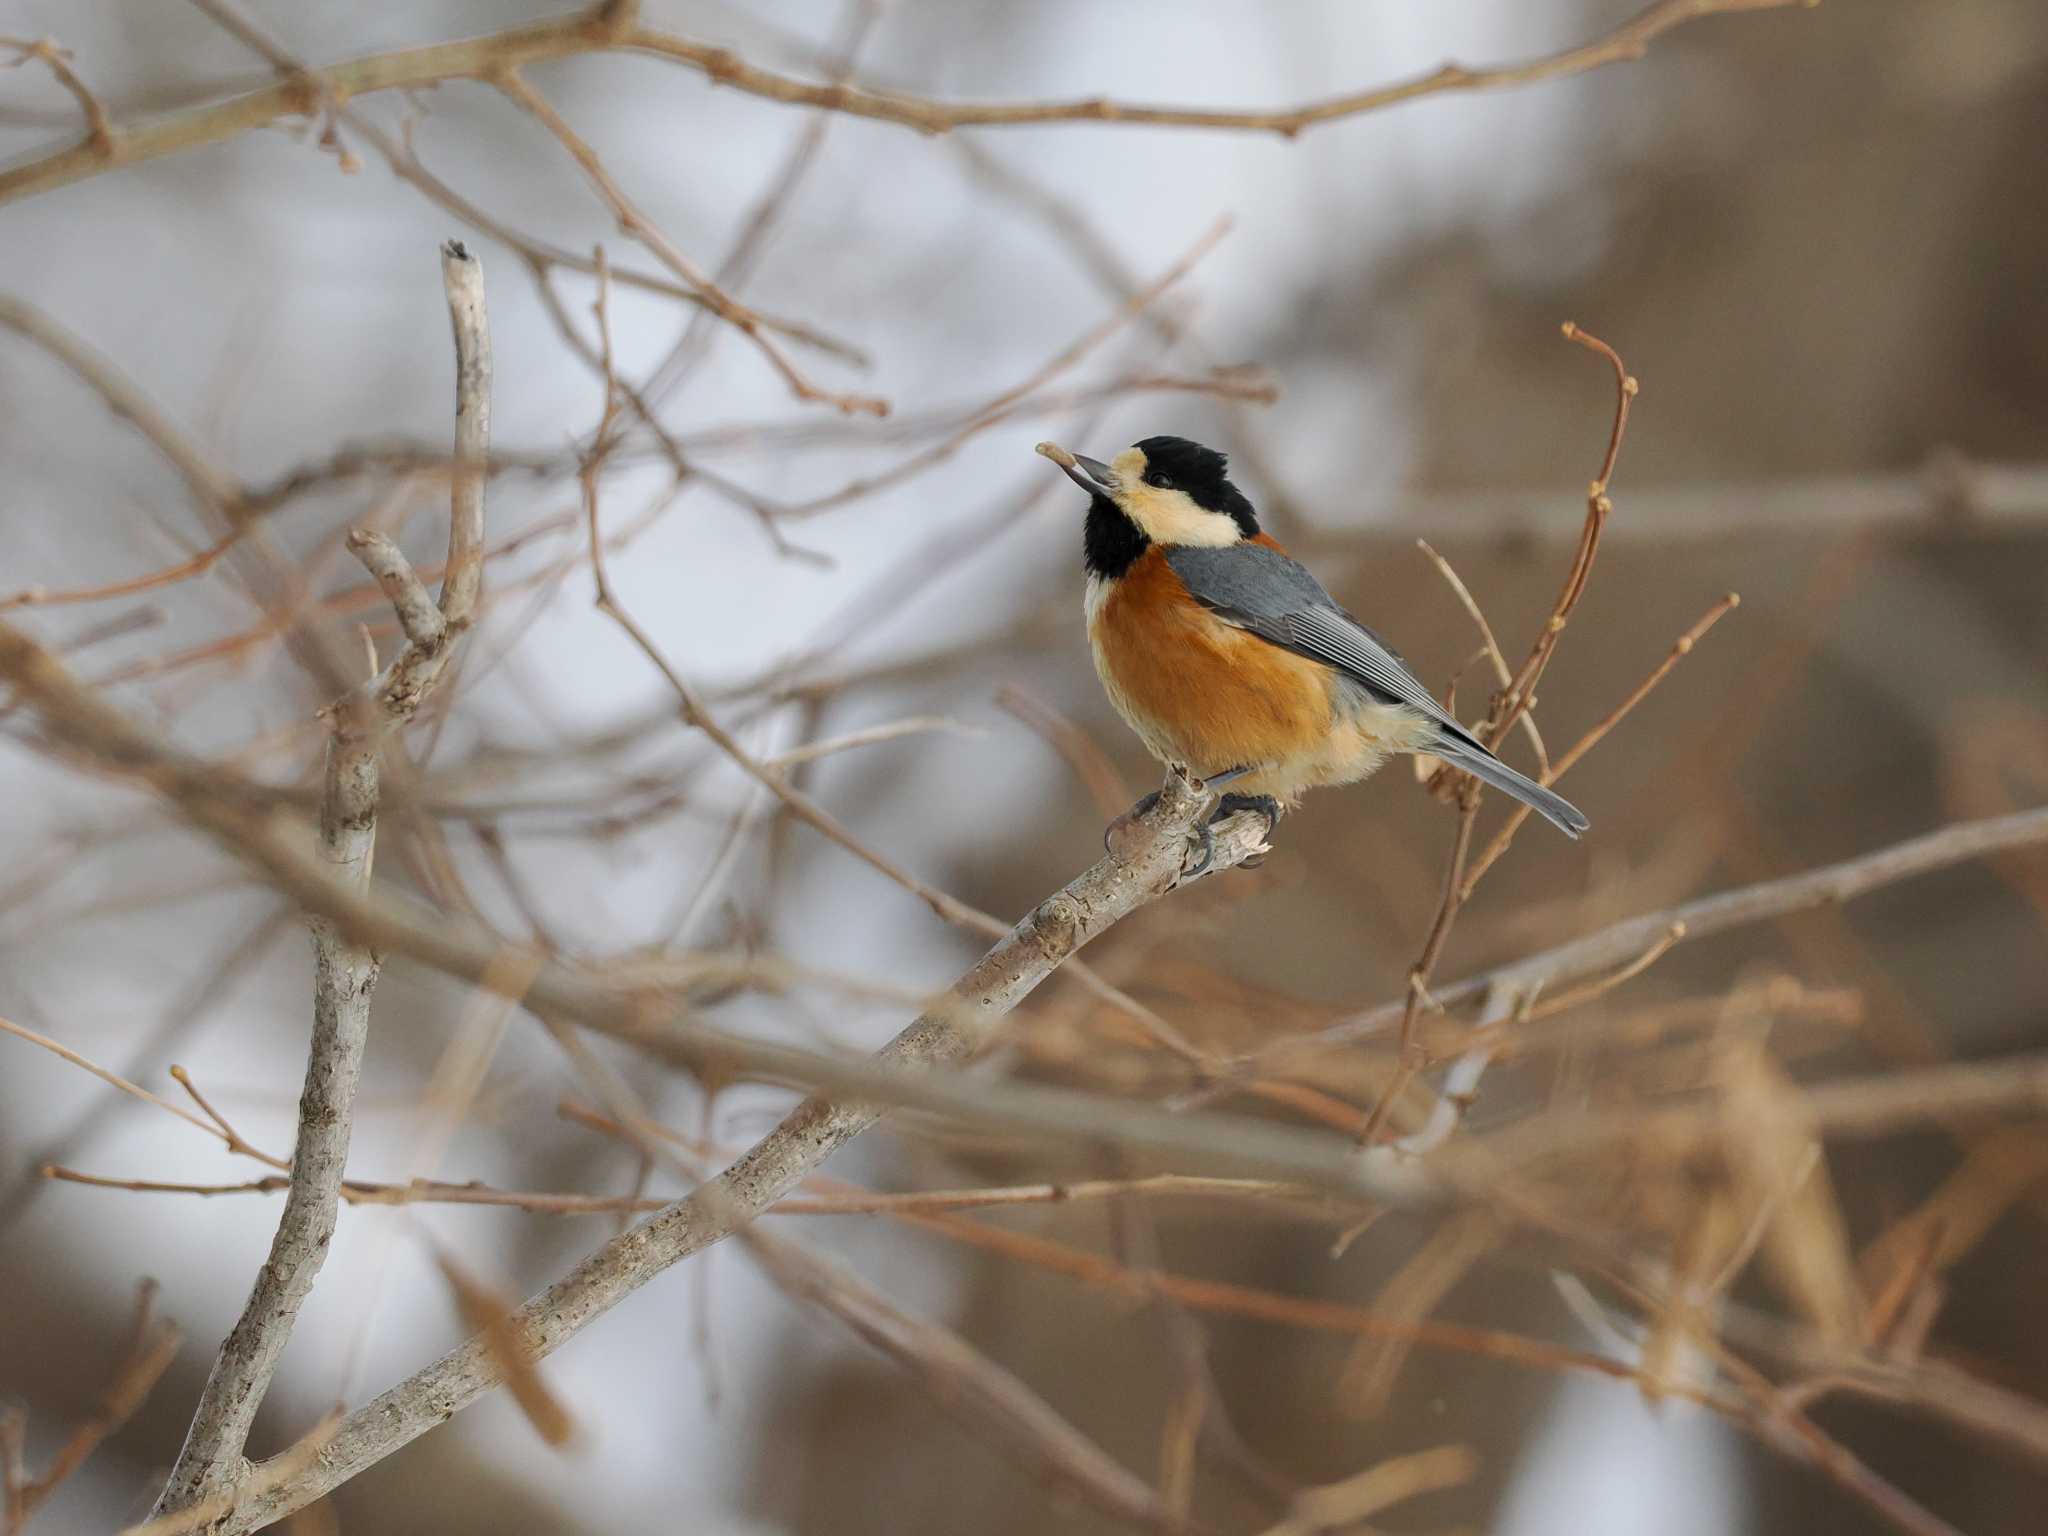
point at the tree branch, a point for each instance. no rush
(345, 967)
(1620, 943)
(462, 276)
(483, 58)
(955, 1027)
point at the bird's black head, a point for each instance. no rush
(1163, 490)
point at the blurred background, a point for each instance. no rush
(1815, 235)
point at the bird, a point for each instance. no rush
(1229, 659)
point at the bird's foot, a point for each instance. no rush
(1120, 834)
(1123, 822)
(1265, 805)
(1202, 840)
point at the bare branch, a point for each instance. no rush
(854, 1203)
(345, 969)
(1010, 970)
(641, 228)
(1552, 772)
(218, 801)
(1501, 675)
(99, 132)
(1616, 946)
(410, 599)
(462, 275)
(957, 1026)
(485, 58)
(65, 1053)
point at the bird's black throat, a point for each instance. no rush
(1111, 543)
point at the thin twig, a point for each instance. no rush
(513, 85)
(1622, 942)
(211, 486)
(1555, 771)
(1001, 406)
(99, 129)
(1501, 675)
(65, 1053)
(1512, 702)
(235, 1140)
(1578, 997)
(550, 1203)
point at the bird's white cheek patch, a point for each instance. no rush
(1172, 517)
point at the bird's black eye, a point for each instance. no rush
(1162, 482)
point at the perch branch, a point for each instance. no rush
(950, 1031)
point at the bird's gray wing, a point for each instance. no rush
(1276, 598)
(1263, 592)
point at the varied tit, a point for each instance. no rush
(1229, 658)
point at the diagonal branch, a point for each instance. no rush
(955, 1027)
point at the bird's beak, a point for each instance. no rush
(1092, 475)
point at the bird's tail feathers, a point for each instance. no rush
(1468, 755)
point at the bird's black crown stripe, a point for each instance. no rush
(1203, 474)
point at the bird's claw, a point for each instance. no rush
(1203, 840)
(1138, 809)
(1265, 805)
(1115, 833)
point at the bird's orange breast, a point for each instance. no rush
(1197, 690)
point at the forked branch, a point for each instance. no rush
(345, 967)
